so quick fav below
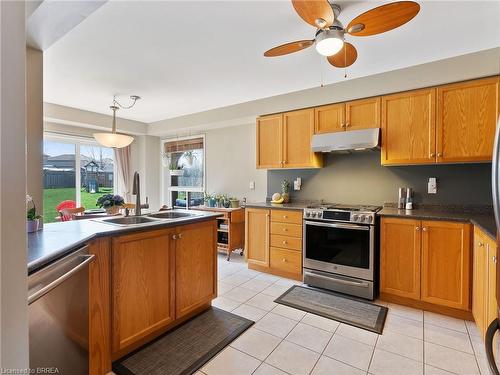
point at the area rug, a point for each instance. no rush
(336, 306)
(187, 348)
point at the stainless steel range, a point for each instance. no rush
(340, 248)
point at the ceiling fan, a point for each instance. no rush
(330, 34)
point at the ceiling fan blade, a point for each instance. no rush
(287, 48)
(383, 18)
(318, 13)
(345, 57)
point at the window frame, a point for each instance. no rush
(166, 189)
(78, 141)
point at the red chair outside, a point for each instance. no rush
(64, 205)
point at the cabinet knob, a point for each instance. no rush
(285, 217)
(174, 237)
(285, 242)
(440, 154)
(417, 228)
(481, 244)
(424, 229)
(285, 230)
(342, 125)
(433, 155)
(347, 124)
(494, 259)
(283, 260)
(180, 235)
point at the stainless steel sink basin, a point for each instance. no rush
(130, 220)
(171, 215)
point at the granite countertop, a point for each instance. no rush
(284, 206)
(483, 219)
(58, 239)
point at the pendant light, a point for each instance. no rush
(114, 139)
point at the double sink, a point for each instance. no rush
(150, 218)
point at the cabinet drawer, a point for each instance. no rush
(286, 216)
(286, 260)
(291, 243)
(293, 230)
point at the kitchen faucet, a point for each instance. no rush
(136, 189)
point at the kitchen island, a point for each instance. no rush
(145, 279)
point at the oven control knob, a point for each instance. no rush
(308, 214)
(320, 214)
(354, 217)
(362, 218)
(369, 219)
(313, 214)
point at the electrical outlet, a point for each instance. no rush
(432, 186)
(251, 185)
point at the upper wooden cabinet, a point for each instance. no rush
(400, 257)
(329, 118)
(195, 266)
(449, 124)
(408, 127)
(269, 154)
(142, 285)
(446, 263)
(466, 120)
(362, 114)
(257, 236)
(284, 141)
(355, 115)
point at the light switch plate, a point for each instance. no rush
(251, 185)
(432, 186)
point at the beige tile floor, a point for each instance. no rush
(285, 341)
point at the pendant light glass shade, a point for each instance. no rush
(113, 139)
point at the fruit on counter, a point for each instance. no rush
(277, 198)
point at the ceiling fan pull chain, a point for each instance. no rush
(321, 72)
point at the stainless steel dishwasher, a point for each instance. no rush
(58, 309)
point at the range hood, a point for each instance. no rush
(346, 140)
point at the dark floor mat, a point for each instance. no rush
(336, 306)
(188, 347)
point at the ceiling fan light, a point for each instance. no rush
(113, 140)
(329, 42)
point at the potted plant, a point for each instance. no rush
(235, 202)
(175, 170)
(32, 218)
(210, 200)
(189, 156)
(111, 203)
(285, 190)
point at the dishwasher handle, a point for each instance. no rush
(85, 260)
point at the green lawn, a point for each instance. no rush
(52, 197)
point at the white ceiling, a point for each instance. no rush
(184, 57)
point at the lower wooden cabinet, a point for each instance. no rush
(195, 267)
(484, 302)
(158, 278)
(142, 284)
(426, 261)
(274, 241)
(400, 243)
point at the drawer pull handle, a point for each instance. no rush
(285, 230)
(285, 217)
(285, 242)
(284, 260)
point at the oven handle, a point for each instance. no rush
(340, 281)
(343, 226)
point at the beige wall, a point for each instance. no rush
(13, 270)
(230, 163)
(34, 125)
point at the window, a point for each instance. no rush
(184, 171)
(75, 170)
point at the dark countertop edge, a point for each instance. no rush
(49, 258)
(483, 221)
(283, 206)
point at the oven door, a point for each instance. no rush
(341, 248)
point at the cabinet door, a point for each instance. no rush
(466, 120)
(479, 281)
(269, 141)
(329, 118)
(195, 266)
(491, 305)
(363, 114)
(408, 127)
(142, 286)
(400, 257)
(298, 129)
(446, 263)
(257, 236)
